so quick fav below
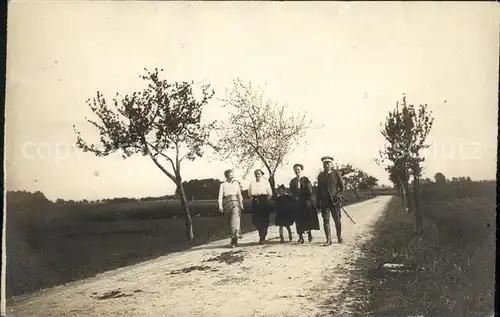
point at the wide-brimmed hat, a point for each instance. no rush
(327, 159)
(298, 165)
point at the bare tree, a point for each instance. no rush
(162, 122)
(258, 130)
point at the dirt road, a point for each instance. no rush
(212, 280)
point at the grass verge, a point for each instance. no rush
(450, 270)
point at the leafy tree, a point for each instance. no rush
(163, 122)
(440, 178)
(406, 130)
(368, 182)
(352, 177)
(258, 130)
(356, 178)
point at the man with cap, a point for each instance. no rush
(330, 186)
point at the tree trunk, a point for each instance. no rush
(355, 192)
(404, 195)
(418, 211)
(188, 221)
(272, 182)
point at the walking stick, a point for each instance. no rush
(340, 198)
(347, 214)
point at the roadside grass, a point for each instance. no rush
(450, 270)
(61, 252)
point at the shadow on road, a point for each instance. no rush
(268, 243)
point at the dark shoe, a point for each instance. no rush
(340, 240)
(328, 243)
(301, 240)
(290, 238)
(309, 236)
(282, 240)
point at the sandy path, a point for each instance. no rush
(252, 280)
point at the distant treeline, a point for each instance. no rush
(26, 198)
(116, 200)
(204, 189)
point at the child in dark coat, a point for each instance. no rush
(286, 212)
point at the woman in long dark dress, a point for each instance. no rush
(260, 191)
(307, 218)
(286, 211)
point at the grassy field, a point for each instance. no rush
(51, 244)
(450, 270)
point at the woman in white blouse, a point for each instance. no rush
(260, 191)
(231, 203)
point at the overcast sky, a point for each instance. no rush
(345, 63)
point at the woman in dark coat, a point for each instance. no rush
(286, 211)
(260, 191)
(307, 218)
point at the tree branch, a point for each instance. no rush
(170, 175)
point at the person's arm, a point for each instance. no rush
(318, 195)
(293, 188)
(221, 195)
(310, 193)
(308, 186)
(250, 190)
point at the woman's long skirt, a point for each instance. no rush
(260, 214)
(286, 211)
(232, 208)
(307, 218)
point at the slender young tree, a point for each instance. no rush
(419, 121)
(406, 130)
(162, 122)
(258, 130)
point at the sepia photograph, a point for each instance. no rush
(250, 159)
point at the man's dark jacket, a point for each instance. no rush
(329, 185)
